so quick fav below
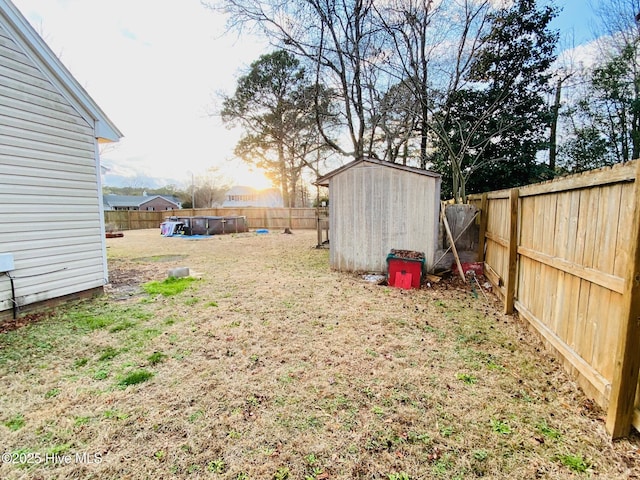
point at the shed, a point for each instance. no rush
(52, 235)
(376, 206)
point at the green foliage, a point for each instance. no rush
(115, 414)
(79, 421)
(480, 455)
(101, 374)
(547, 431)
(217, 466)
(156, 357)
(442, 466)
(414, 437)
(499, 426)
(467, 378)
(135, 377)
(604, 126)
(446, 431)
(108, 354)
(574, 462)
(399, 476)
(59, 449)
(122, 326)
(54, 392)
(169, 286)
(80, 362)
(15, 423)
(195, 416)
(89, 317)
(281, 474)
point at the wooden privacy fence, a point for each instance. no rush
(272, 218)
(565, 255)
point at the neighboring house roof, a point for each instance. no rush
(168, 198)
(324, 180)
(114, 201)
(50, 65)
(242, 196)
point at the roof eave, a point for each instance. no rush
(58, 74)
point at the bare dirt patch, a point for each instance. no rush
(271, 366)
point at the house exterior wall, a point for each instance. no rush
(158, 204)
(50, 215)
(374, 209)
(241, 196)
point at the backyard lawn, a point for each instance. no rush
(268, 365)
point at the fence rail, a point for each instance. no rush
(564, 254)
(271, 218)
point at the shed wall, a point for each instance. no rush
(374, 209)
(50, 218)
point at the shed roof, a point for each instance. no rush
(324, 180)
(50, 65)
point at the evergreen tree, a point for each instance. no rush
(490, 130)
(276, 106)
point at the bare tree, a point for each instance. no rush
(561, 77)
(339, 39)
(616, 80)
(416, 29)
(400, 117)
(450, 56)
(210, 188)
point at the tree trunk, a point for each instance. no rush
(553, 143)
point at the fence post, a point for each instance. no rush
(484, 217)
(510, 290)
(627, 357)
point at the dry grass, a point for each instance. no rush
(271, 366)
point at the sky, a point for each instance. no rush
(576, 22)
(157, 67)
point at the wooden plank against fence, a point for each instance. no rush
(452, 241)
(484, 215)
(513, 250)
(627, 359)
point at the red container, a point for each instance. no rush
(404, 272)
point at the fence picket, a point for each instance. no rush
(568, 253)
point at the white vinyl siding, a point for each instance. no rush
(50, 217)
